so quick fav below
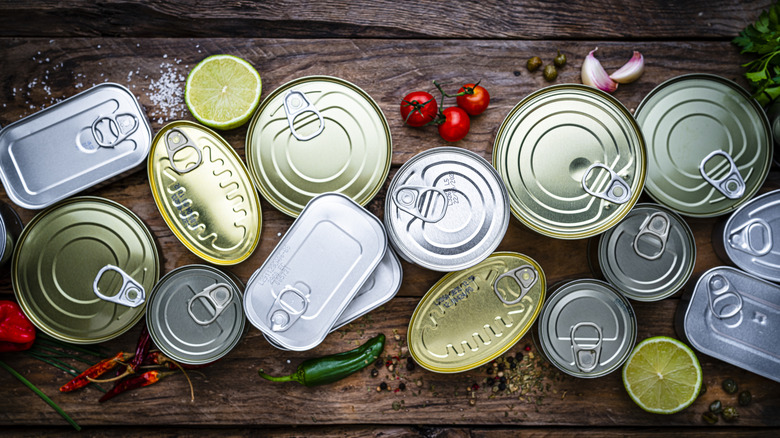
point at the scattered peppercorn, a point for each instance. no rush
(374, 372)
(716, 407)
(402, 386)
(730, 386)
(744, 398)
(409, 364)
(383, 386)
(519, 356)
(560, 60)
(490, 370)
(501, 367)
(517, 73)
(709, 417)
(533, 63)
(396, 406)
(419, 383)
(550, 73)
(527, 347)
(379, 363)
(502, 379)
(501, 386)
(513, 365)
(390, 368)
(475, 387)
(729, 414)
(472, 401)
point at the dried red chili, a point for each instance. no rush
(133, 382)
(94, 372)
(17, 333)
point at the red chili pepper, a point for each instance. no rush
(16, 331)
(133, 382)
(141, 349)
(94, 372)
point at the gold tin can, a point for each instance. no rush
(470, 317)
(204, 193)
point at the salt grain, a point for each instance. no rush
(166, 94)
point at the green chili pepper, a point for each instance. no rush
(329, 369)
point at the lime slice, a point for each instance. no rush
(223, 91)
(662, 375)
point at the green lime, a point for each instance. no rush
(662, 375)
(223, 91)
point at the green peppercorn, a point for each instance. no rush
(533, 64)
(744, 398)
(729, 414)
(709, 417)
(730, 386)
(716, 407)
(560, 60)
(550, 73)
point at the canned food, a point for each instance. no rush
(314, 272)
(82, 270)
(72, 145)
(446, 209)
(195, 315)
(470, 317)
(587, 329)
(314, 135)
(649, 255)
(573, 160)
(709, 144)
(729, 315)
(204, 193)
(10, 228)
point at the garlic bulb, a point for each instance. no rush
(593, 74)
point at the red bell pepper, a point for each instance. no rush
(17, 333)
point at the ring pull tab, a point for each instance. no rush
(617, 190)
(719, 290)
(732, 185)
(218, 295)
(175, 140)
(426, 203)
(586, 356)
(295, 104)
(120, 126)
(744, 237)
(131, 293)
(525, 276)
(656, 227)
(287, 308)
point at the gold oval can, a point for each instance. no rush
(470, 317)
(204, 193)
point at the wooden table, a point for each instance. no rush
(51, 50)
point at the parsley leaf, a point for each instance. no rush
(762, 38)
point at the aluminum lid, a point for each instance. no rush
(314, 135)
(573, 160)
(649, 255)
(587, 329)
(195, 314)
(709, 144)
(446, 209)
(72, 145)
(82, 270)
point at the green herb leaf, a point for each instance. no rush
(762, 38)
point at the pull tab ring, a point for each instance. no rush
(617, 190)
(732, 185)
(218, 295)
(525, 276)
(740, 237)
(175, 140)
(295, 104)
(131, 293)
(657, 227)
(594, 349)
(117, 128)
(719, 289)
(284, 311)
(426, 203)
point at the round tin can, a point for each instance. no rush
(446, 209)
(587, 329)
(195, 314)
(470, 317)
(10, 228)
(573, 160)
(709, 144)
(314, 135)
(83, 268)
(649, 255)
(204, 193)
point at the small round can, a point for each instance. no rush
(587, 328)
(446, 209)
(195, 314)
(649, 255)
(10, 228)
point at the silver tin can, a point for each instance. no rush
(10, 229)
(729, 315)
(446, 209)
(72, 145)
(750, 237)
(649, 255)
(194, 314)
(587, 328)
(314, 272)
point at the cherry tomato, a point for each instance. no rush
(476, 99)
(456, 125)
(419, 108)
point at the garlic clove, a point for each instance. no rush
(593, 74)
(631, 71)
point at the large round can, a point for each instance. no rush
(195, 314)
(709, 144)
(649, 255)
(10, 229)
(573, 160)
(83, 268)
(446, 209)
(314, 135)
(470, 317)
(587, 329)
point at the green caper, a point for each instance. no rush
(730, 386)
(709, 417)
(550, 73)
(716, 407)
(560, 60)
(744, 398)
(730, 414)
(534, 63)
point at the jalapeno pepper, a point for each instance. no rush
(17, 333)
(329, 369)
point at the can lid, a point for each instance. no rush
(446, 209)
(72, 254)
(470, 317)
(318, 134)
(709, 144)
(587, 329)
(195, 315)
(649, 255)
(573, 160)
